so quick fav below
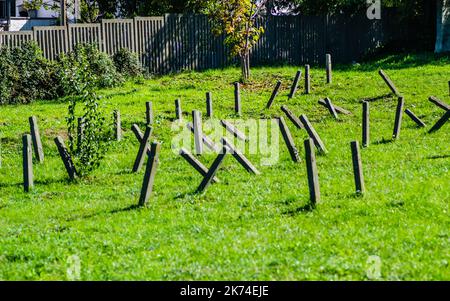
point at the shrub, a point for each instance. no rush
(90, 150)
(86, 65)
(127, 63)
(25, 75)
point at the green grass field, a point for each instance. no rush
(246, 227)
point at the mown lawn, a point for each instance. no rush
(246, 227)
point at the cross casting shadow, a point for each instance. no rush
(95, 214)
(372, 99)
(438, 157)
(383, 141)
(303, 209)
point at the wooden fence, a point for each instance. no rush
(184, 42)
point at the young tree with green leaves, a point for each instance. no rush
(236, 19)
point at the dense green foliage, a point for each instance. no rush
(81, 71)
(89, 147)
(86, 65)
(25, 75)
(127, 63)
(245, 227)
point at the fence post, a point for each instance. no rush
(28, 182)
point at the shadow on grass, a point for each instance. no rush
(303, 209)
(124, 172)
(187, 194)
(95, 214)
(397, 61)
(438, 157)
(381, 97)
(124, 93)
(383, 141)
(6, 185)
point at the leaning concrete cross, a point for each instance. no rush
(389, 82)
(206, 140)
(198, 131)
(142, 150)
(274, 94)
(240, 157)
(439, 103)
(357, 168)
(237, 99)
(28, 182)
(338, 109)
(294, 87)
(331, 108)
(307, 80)
(209, 105)
(66, 158)
(139, 135)
(36, 137)
(233, 130)
(212, 171)
(178, 112)
(292, 117)
(328, 67)
(416, 119)
(149, 112)
(398, 118)
(192, 160)
(440, 122)
(286, 133)
(150, 172)
(313, 134)
(313, 175)
(366, 124)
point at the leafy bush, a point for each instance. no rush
(90, 148)
(127, 63)
(86, 65)
(25, 75)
